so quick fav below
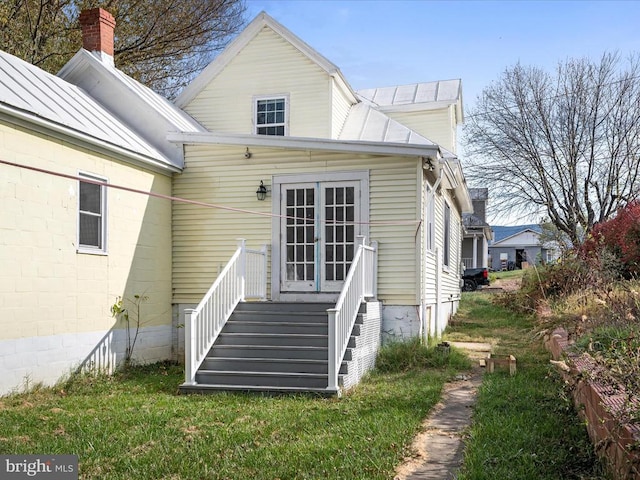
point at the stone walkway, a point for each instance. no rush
(439, 447)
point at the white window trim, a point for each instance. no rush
(88, 249)
(361, 176)
(254, 106)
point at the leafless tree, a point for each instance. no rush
(563, 145)
(162, 43)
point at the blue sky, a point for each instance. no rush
(383, 43)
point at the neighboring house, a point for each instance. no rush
(314, 177)
(519, 247)
(477, 232)
(68, 247)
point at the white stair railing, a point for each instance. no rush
(243, 277)
(359, 284)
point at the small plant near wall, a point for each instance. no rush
(128, 316)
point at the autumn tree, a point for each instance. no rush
(565, 146)
(162, 43)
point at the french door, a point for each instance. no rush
(318, 229)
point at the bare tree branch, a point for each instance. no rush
(565, 145)
(162, 43)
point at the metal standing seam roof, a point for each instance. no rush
(447, 91)
(365, 123)
(33, 91)
(161, 105)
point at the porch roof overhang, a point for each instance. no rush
(303, 143)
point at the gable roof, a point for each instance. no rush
(261, 21)
(34, 98)
(147, 112)
(416, 97)
(502, 233)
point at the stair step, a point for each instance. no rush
(201, 388)
(279, 317)
(263, 379)
(274, 327)
(285, 340)
(284, 365)
(284, 307)
(268, 351)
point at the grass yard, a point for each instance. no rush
(524, 426)
(134, 426)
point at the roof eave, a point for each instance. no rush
(302, 143)
(34, 122)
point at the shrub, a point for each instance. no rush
(620, 237)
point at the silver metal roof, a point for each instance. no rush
(163, 107)
(365, 123)
(31, 91)
(446, 91)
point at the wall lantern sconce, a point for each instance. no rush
(261, 193)
(429, 164)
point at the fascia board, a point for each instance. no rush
(416, 107)
(301, 143)
(455, 181)
(510, 237)
(46, 127)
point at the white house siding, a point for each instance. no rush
(55, 302)
(204, 238)
(439, 126)
(268, 65)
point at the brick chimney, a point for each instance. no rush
(97, 31)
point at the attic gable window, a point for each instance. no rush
(271, 116)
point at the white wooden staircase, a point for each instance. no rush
(272, 347)
(231, 344)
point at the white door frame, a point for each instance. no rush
(360, 176)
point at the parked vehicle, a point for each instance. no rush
(473, 277)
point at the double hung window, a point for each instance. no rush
(92, 220)
(271, 116)
(447, 236)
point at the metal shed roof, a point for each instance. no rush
(446, 91)
(30, 92)
(365, 123)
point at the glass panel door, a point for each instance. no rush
(299, 256)
(318, 233)
(340, 217)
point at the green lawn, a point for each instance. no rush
(135, 426)
(524, 427)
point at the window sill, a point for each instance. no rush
(89, 251)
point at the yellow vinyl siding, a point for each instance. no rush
(46, 286)
(451, 275)
(268, 65)
(341, 106)
(439, 126)
(205, 238)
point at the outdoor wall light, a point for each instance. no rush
(261, 193)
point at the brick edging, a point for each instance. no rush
(616, 442)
